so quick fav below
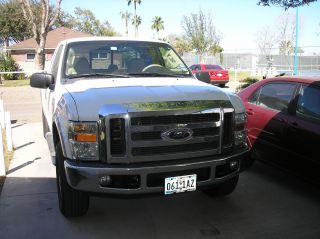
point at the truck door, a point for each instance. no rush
(47, 94)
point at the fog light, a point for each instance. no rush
(234, 165)
(105, 181)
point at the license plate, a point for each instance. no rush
(219, 74)
(180, 184)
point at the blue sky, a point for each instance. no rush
(236, 20)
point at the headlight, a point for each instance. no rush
(240, 138)
(240, 133)
(83, 140)
(240, 121)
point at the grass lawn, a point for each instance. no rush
(14, 83)
(7, 158)
(240, 75)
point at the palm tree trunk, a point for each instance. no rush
(127, 27)
(135, 15)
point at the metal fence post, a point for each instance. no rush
(2, 114)
(2, 165)
(8, 131)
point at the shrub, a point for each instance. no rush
(246, 82)
(7, 63)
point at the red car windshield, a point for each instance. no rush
(213, 67)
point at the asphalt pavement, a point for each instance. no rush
(268, 203)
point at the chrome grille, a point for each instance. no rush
(144, 141)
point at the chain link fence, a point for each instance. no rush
(257, 64)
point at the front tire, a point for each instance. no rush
(222, 189)
(72, 203)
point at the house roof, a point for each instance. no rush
(53, 38)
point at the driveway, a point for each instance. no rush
(23, 102)
(267, 203)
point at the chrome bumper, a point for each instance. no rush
(86, 176)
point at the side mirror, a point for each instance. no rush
(203, 76)
(41, 80)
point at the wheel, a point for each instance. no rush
(153, 68)
(45, 126)
(72, 203)
(223, 189)
(222, 85)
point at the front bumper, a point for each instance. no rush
(217, 82)
(86, 176)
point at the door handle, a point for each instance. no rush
(250, 112)
(295, 125)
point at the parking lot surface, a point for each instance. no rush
(268, 203)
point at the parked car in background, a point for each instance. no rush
(218, 75)
(284, 122)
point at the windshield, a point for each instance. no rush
(213, 67)
(123, 58)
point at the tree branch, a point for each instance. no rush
(28, 15)
(56, 13)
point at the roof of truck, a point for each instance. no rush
(82, 39)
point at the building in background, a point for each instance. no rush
(24, 52)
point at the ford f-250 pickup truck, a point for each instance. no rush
(128, 117)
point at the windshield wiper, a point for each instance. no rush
(157, 74)
(97, 75)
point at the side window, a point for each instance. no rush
(192, 67)
(254, 97)
(309, 103)
(55, 63)
(275, 96)
(196, 68)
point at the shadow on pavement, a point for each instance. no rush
(24, 145)
(22, 166)
(266, 204)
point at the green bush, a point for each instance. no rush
(7, 63)
(244, 83)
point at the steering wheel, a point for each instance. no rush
(153, 68)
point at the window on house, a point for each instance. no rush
(31, 56)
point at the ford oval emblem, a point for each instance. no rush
(179, 134)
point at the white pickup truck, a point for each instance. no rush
(128, 117)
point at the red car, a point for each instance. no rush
(284, 122)
(217, 74)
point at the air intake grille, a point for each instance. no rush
(117, 137)
(175, 119)
(146, 151)
(227, 138)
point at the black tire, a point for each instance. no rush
(222, 85)
(222, 189)
(45, 126)
(72, 203)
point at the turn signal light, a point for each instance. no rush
(85, 137)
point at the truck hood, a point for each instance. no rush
(95, 95)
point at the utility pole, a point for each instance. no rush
(296, 46)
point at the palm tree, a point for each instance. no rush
(157, 24)
(126, 17)
(136, 21)
(135, 2)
